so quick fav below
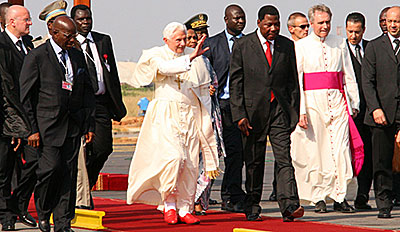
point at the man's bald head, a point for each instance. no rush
(18, 20)
(393, 21)
(64, 32)
(235, 19)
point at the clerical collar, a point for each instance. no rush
(316, 37)
(172, 52)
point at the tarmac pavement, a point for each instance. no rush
(119, 162)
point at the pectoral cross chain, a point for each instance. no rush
(179, 81)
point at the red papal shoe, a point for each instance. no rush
(170, 217)
(189, 219)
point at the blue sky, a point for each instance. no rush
(136, 25)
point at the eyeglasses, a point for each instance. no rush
(69, 36)
(304, 26)
(26, 20)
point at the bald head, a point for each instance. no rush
(64, 32)
(235, 19)
(393, 21)
(18, 20)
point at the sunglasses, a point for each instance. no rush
(304, 26)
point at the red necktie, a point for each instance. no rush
(268, 54)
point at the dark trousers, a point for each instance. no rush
(254, 158)
(231, 187)
(23, 192)
(7, 161)
(101, 148)
(382, 155)
(55, 191)
(365, 176)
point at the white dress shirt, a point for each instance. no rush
(15, 40)
(263, 40)
(69, 74)
(392, 41)
(353, 48)
(97, 61)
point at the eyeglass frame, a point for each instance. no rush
(304, 26)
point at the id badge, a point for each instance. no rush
(67, 86)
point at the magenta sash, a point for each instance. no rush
(334, 80)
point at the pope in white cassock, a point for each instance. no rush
(321, 152)
(176, 127)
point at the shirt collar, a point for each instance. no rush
(229, 36)
(12, 36)
(354, 45)
(391, 37)
(82, 39)
(57, 49)
(262, 39)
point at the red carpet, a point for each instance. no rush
(140, 217)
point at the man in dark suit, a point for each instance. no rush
(220, 45)
(14, 126)
(27, 181)
(103, 72)
(58, 98)
(264, 100)
(380, 82)
(355, 28)
(18, 21)
(16, 40)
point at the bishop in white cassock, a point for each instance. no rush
(320, 147)
(176, 127)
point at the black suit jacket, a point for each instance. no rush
(110, 74)
(18, 58)
(357, 70)
(219, 56)
(54, 112)
(252, 81)
(380, 73)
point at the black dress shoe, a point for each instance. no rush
(8, 226)
(200, 213)
(396, 202)
(384, 213)
(362, 206)
(343, 207)
(27, 220)
(231, 207)
(44, 225)
(212, 202)
(67, 230)
(320, 207)
(290, 216)
(253, 217)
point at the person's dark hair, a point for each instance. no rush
(79, 7)
(267, 10)
(356, 17)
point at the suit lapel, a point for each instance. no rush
(54, 59)
(258, 49)
(99, 46)
(14, 48)
(277, 52)
(74, 66)
(387, 46)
